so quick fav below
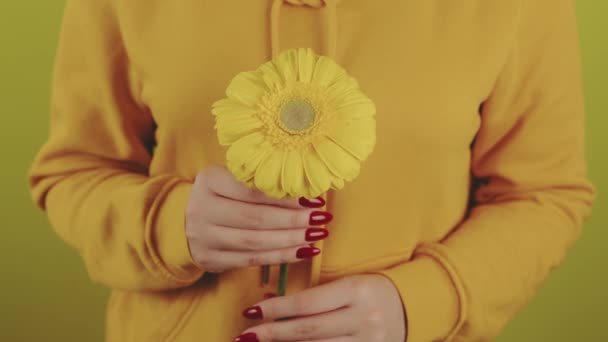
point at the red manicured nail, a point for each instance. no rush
(254, 312)
(307, 252)
(248, 337)
(317, 202)
(269, 295)
(320, 217)
(316, 234)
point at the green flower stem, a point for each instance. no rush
(282, 279)
(265, 274)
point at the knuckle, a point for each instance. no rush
(253, 216)
(294, 219)
(253, 194)
(211, 175)
(270, 308)
(266, 333)
(361, 288)
(286, 256)
(253, 260)
(378, 336)
(202, 258)
(300, 304)
(251, 242)
(306, 329)
(373, 321)
(204, 176)
(296, 238)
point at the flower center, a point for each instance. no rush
(297, 116)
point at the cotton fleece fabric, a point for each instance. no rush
(474, 193)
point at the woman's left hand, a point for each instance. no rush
(362, 308)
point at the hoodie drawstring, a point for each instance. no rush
(332, 24)
(332, 28)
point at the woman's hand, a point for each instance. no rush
(229, 225)
(362, 308)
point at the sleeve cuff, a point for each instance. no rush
(431, 297)
(170, 236)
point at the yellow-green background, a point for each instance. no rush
(45, 294)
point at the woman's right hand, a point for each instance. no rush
(229, 225)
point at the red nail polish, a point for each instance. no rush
(317, 202)
(320, 217)
(254, 312)
(248, 337)
(307, 252)
(269, 295)
(316, 234)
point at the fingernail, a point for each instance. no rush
(307, 252)
(269, 295)
(317, 202)
(254, 312)
(316, 234)
(320, 217)
(248, 337)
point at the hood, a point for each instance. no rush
(322, 5)
(311, 3)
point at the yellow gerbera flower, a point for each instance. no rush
(296, 126)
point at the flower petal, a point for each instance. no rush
(341, 88)
(231, 107)
(357, 137)
(318, 175)
(247, 88)
(234, 120)
(251, 165)
(337, 182)
(229, 133)
(271, 76)
(338, 161)
(306, 65)
(354, 106)
(326, 72)
(243, 154)
(292, 176)
(286, 65)
(268, 174)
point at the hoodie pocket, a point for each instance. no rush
(149, 316)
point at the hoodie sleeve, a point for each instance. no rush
(529, 154)
(91, 175)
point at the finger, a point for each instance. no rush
(328, 325)
(335, 339)
(319, 299)
(232, 259)
(221, 182)
(230, 213)
(235, 239)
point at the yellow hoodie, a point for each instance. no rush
(476, 188)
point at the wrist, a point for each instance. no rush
(170, 236)
(429, 297)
